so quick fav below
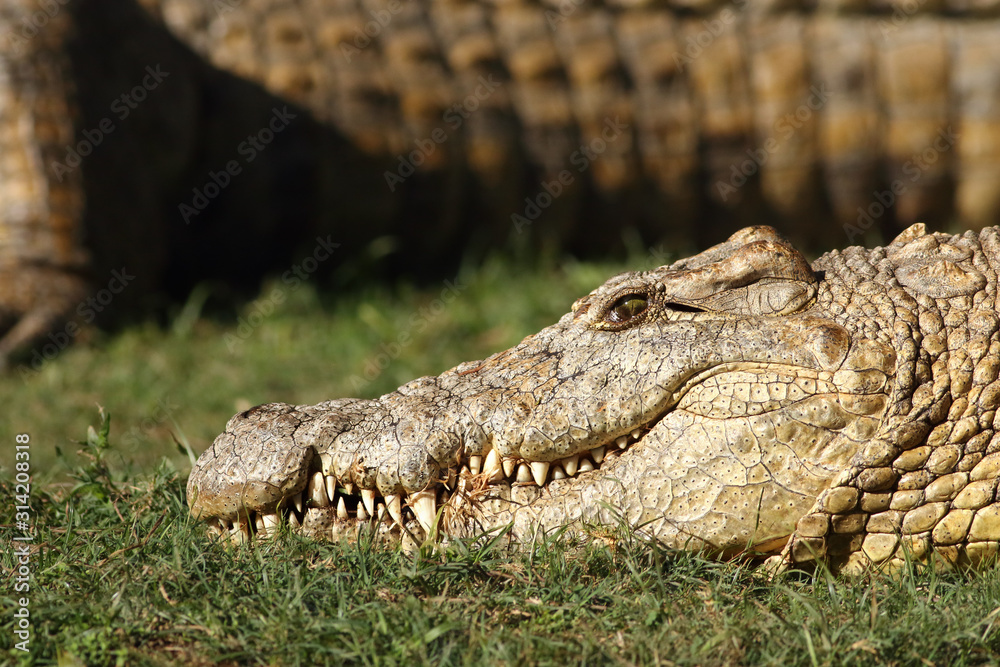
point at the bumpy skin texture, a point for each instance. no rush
(736, 401)
(602, 114)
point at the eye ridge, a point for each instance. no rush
(626, 308)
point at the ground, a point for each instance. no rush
(119, 574)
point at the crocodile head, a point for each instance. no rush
(708, 403)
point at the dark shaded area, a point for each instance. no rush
(214, 179)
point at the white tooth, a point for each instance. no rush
(259, 523)
(368, 498)
(523, 473)
(380, 512)
(424, 505)
(237, 535)
(331, 487)
(317, 490)
(394, 504)
(362, 513)
(293, 520)
(558, 473)
(509, 465)
(349, 489)
(297, 501)
(270, 522)
(597, 453)
(540, 470)
(452, 478)
(492, 468)
(586, 465)
(636, 434)
(475, 464)
(341, 508)
(571, 463)
(622, 442)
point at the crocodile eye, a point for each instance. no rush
(626, 308)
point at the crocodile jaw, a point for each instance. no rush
(655, 381)
(740, 450)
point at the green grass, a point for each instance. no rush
(121, 575)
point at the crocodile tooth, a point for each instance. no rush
(558, 473)
(380, 512)
(362, 513)
(424, 505)
(317, 490)
(368, 498)
(331, 487)
(523, 473)
(349, 489)
(540, 470)
(297, 501)
(622, 442)
(270, 522)
(293, 520)
(394, 504)
(326, 461)
(597, 453)
(259, 525)
(636, 434)
(341, 508)
(570, 464)
(452, 478)
(475, 464)
(586, 465)
(509, 465)
(492, 468)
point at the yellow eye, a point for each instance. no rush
(627, 307)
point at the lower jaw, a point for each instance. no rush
(471, 504)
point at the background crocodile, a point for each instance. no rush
(736, 401)
(168, 136)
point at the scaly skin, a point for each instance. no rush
(735, 401)
(667, 118)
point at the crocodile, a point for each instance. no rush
(741, 402)
(189, 141)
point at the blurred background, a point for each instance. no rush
(209, 205)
